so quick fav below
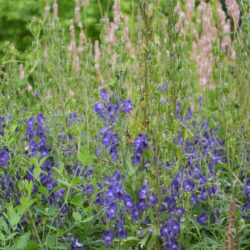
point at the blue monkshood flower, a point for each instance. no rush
(139, 232)
(212, 190)
(153, 199)
(247, 188)
(47, 165)
(188, 185)
(108, 237)
(32, 148)
(122, 233)
(178, 212)
(75, 244)
(72, 118)
(110, 195)
(4, 157)
(163, 100)
(129, 204)
(40, 120)
(188, 114)
(135, 214)
(202, 219)
(64, 210)
(2, 120)
(141, 205)
(178, 111)
(167, 165)
(170, 230)
(140, 144)
(109, 139)
(194, 199)
(117, 175)
(203, 195)
(136, 158)
(146, 222)
(180, 140)
(103, 94)
(90, 189)
(112, 111)
(171, 245)
(203, 180)
(170, 203)
(99, 199)
(119, 192)
(143, 192)
(10, 189)
(189, 148)
(113, 151)
(200, 101)
(99, 108)
(246, 211)
(164, 86)
(127, 106)
(112, 211)
(59, 193)
(197, 173)
(30, 127)
(164, 190)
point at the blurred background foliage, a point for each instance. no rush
(15, 16)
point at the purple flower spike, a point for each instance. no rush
(75, 244)
(122, 233)
(153, 199)
(188, 185)
(90, 189)
(246, 211)
(59, 194)
(189, 114)
(127, 106)
(143, 192)
(108, 237)
(112, 210)
(103, 94)
(247, 188)
(170, 230)
(202, 219)
(171, 245)
(4, 157)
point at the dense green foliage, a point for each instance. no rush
(125, 143)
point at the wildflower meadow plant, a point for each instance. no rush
(138, 140)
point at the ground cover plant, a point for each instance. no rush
(139, 140)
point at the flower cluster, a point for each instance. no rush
(35, 133)
(140, 144)
(246, 208)
(203, 146)
(109, 110)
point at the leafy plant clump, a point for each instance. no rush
(139, 140)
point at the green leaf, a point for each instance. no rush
(43, 190)
(14, 219)
(75, 181)
(22, 241)
(3, 225)
(10, 236)
(77, 216)
(51, 241)
(90, 218)
(85, 158)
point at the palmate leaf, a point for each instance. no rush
(85, 157)
(21, 242)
